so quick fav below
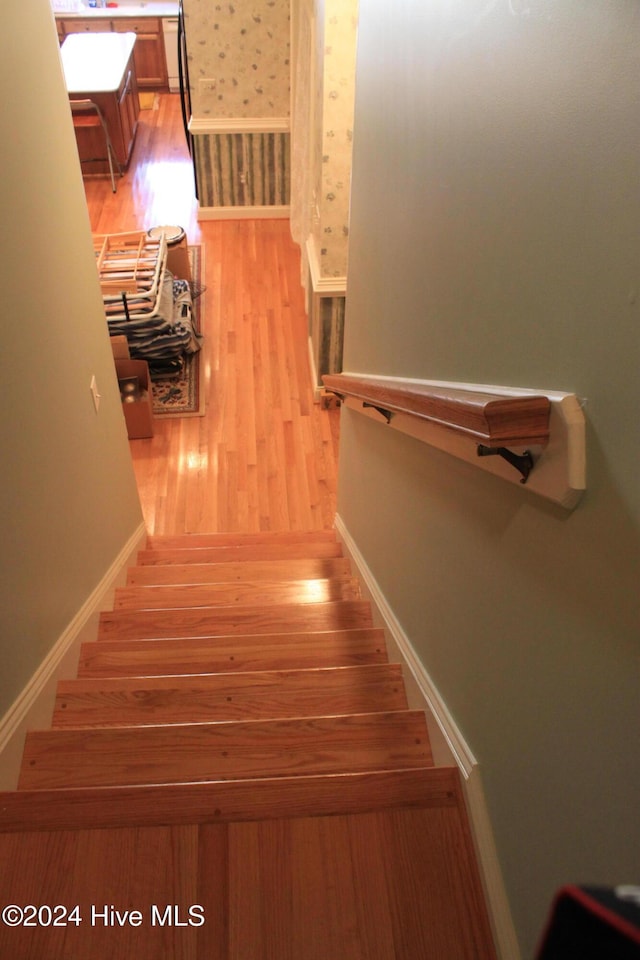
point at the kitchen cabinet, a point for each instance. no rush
(128, 110)
(90, 25)
(151, 62)
(149, 55)
(102, 68)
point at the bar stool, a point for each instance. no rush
(87, 115)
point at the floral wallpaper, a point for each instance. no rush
(334, 177)
(244, 48)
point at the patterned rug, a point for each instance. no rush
(182, 395)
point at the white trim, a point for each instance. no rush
(243, 213)
(504, 933)
(317, 390)
(34, 705)
(460, 751)
(322, 286)
(199, 126)
(498, 905)
(559, 472)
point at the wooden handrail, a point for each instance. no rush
(490, 419)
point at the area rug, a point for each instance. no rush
(182, 395)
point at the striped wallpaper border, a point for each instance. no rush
(243, 169)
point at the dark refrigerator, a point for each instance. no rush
(185, 92)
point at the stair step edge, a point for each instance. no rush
(231, 750)
(242, 538)
(236, 571)
(374, 716)
(184, 622)
(275, 675)
(225, 801)
(182, 596)
(276, 694)
(216, 554)
(182, 716)
(284, 637)
(233, 654)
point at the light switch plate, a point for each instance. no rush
(93, 386)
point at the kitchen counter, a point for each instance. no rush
(96, 62)
(153, 8)
(154, 23)
(100, 67)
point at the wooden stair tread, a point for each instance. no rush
(221, 751)
(215, 621)
(198, 540)
(252, 551)
(251, 592)
(224, 696)
(223, 801)
(109, 658)
(157, 574)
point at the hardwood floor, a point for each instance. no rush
(307, 888)
(264, 456)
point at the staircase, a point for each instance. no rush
(238, 727)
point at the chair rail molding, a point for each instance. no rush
(530, 437)
(326, 299)
(200, 126)
(243, 213)
(323, 286)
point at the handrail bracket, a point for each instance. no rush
(523, 462)
(387, 414)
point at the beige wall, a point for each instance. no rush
(69, 502)
(494, 239)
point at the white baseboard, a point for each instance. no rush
(317, 390)
(322, 286)
(449, 747)
(34, 706)
(243, 213)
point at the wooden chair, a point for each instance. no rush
(87, 115)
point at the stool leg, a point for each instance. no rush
(113, 179)
(110, 153)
